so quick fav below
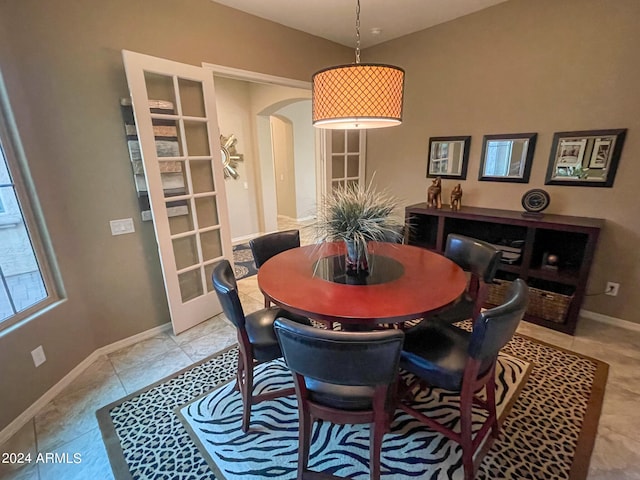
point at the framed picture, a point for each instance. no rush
(585, 158)
(507, 157)
(571, 152)
(448, 157)
(600, 154)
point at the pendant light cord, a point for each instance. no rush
(358, 32)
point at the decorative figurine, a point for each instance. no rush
(456, 197)
(550, 261)
(434, 193)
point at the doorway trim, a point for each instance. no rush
(239, 74)
(257, 77)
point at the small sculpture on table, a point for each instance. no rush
(434, 193)
(550, 261)
(456, 197)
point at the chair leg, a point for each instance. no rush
(490, 389)
(245, 381)
(304, 439)
(381, 424)
(239, 374)
(377, 430)
(466, 433)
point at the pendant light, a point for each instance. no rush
(359, 95)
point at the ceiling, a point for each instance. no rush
(335, 19)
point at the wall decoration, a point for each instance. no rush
(507, 157)
(571, 152)
(456, 198)
(167, 145)
(585, 158)
(434, 193)
(448, 157)
(230, 157)
(535, 201)
(600, 154)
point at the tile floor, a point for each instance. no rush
(68, 423)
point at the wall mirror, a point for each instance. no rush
(507, 157)
(586, 158)
(448, 157)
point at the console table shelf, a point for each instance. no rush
(572, 240)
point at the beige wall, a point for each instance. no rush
(304, 161)
(62, 64)
(237, 102)
(233, 102)
(284, 169)
(268, 100)
(527, 66)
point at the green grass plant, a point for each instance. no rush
(358, 214)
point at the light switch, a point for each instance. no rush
(122, 226)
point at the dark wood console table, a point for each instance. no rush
(557, 289)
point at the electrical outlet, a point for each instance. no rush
(612, 289)
(38, 356)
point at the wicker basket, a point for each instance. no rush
(497, 291)
(551, 306)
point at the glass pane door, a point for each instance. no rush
(345, 156)
(175, 115)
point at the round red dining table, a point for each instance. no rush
(408, 282)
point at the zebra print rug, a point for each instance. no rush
(548, 433)
(270, 449)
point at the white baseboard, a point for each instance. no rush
(22, 419)
(138, 337)
(297, 219)
(244, 238)
(617, 322)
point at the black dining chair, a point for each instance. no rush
(480, 259)
(271, 244)
(343, 378)
(396, 234)
(442, 355)
(257, 342)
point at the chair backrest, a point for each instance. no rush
(340, 358)
(395, 234)
(472, 255)
(494, 327)
(266, 246)
(224, 283)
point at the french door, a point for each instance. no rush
(344, 158)
(185, 181)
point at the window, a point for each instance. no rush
(26, 285)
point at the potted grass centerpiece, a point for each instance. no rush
(357, 215)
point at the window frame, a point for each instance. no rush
(11, 149)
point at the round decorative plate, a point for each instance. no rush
(535, 200)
